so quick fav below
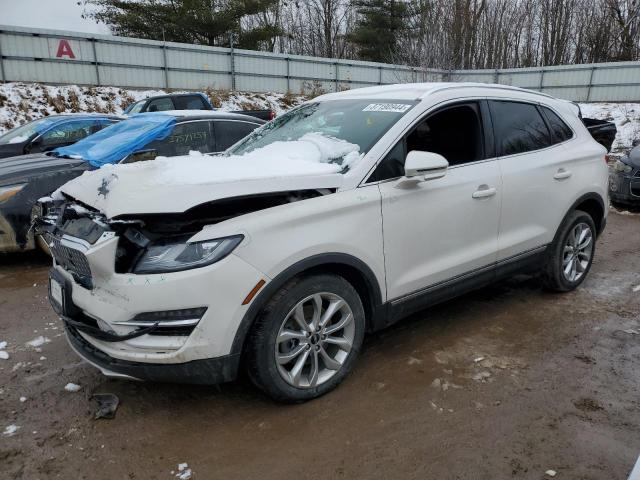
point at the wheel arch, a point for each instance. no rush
(592, 204)
(351, 268)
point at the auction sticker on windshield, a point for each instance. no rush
(387, 107)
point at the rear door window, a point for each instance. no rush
(160, 105)
(519, 127)
(195, 135)
(560, 131)
(229, 132)
(190, 102)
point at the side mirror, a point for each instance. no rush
(34, 146)
(140, 156)
(426, 164)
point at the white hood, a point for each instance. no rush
(176, 184)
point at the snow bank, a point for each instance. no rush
(23, 102)
(626, 116)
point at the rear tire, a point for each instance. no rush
(571, 253)
(306, 339)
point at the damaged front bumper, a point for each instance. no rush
(204, 372)
(177, 326)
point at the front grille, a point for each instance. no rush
(72, 260)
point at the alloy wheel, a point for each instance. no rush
(314, 340)
(577, 252)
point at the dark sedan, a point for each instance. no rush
(47, 133)
(25, 179)
(624, 181)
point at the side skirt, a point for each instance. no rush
(396, 309)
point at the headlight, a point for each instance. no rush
(173, 255)
(9, 191)
(622, 167)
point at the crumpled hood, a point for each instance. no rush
(176, 184)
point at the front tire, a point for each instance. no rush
(571, 253)
(306, 339)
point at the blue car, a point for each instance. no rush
(26, 178)
(51, 132)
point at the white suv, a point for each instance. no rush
(346, 214)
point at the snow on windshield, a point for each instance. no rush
(312, 154)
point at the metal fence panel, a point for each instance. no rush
(53, 56)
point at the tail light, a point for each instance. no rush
(607, 159)
(272, 114)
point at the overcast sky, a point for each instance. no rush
(57, 14)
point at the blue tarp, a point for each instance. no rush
(113, 143)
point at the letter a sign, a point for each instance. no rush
(64, 50)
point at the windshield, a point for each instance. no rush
(24, 132)
(135, 107)
(114, 143)
(359, 122)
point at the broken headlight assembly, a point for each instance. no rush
(175, 254)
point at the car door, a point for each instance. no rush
(191, 135)
(536, 173)
(440, 230)
(228, 132)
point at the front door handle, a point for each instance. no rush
(484, 191)
(561, 174)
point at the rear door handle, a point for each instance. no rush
(484, 191)
(561, 174)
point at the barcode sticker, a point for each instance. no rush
(387, 107)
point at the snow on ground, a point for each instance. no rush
(72, 387)
(626, 116)
(10, 430)
(38, 341)
(22, 102)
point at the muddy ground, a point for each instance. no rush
(506, 382)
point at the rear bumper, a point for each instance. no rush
(202, 372)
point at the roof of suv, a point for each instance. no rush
(414, 91)
(203, 114)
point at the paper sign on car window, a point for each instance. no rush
(387, 107)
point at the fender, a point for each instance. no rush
(600, 223)
(329, 259)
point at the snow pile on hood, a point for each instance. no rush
(117, 189)
(310, 155)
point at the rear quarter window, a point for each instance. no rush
(560, 131)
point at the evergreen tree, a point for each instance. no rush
(378, 29)
(206, 22)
